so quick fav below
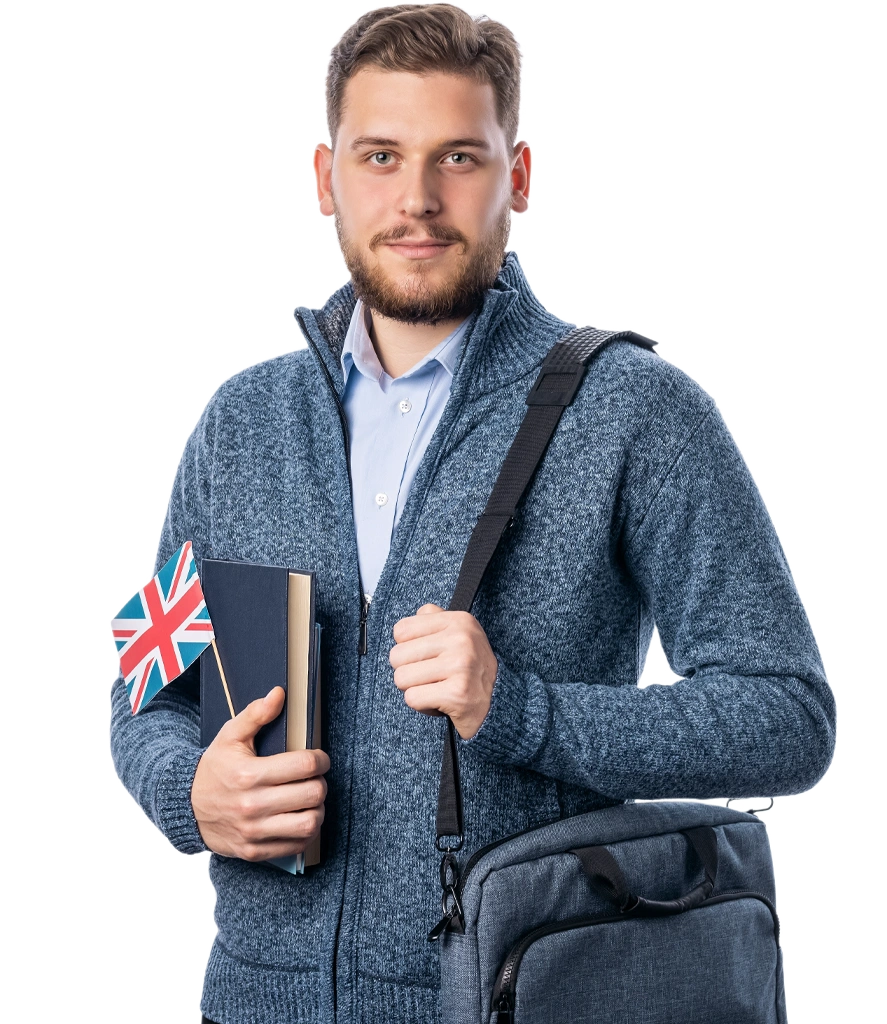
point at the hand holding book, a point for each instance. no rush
(258, 808)
(267, 638)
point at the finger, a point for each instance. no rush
(421, 625)
(256, 807)
(243, 727)
(292, 766)
(428, 699)
(421, 673)
(288, 797)
(281, 835)
(426, 608)
(420, 649)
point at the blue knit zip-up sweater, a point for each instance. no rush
(641, 511)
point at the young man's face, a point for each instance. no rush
(422, 183)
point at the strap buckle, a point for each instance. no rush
(447, 849)
(449, 881)
(556, 386)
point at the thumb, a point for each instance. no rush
(243, 727)
(426, 608)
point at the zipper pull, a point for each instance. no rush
(506, 1013)
(364, 607)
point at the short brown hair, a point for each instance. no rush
(427, 38)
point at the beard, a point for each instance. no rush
(415, 299)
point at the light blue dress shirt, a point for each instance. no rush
(390, 422)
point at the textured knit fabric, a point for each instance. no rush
(642, 510)
(390, 422)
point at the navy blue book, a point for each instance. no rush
(266, 634)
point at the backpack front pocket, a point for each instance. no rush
(719, 962)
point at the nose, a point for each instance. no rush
(419, 196)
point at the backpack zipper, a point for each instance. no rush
(503, 1000)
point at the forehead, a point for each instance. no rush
(414, 108)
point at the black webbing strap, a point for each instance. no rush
(559, 378)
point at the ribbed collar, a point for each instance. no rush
(509, 337)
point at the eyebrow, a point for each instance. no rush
(372, 140)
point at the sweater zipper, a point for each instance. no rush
(364, 600)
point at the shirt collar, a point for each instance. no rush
(358, 349)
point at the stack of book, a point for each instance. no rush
(266, 636)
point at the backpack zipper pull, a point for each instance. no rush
(505, 1014)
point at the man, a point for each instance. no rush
(368, 457)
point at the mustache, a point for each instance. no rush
(439, 232)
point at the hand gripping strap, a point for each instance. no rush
(559, 378)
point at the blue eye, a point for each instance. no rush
(381, 159)
(459, 158)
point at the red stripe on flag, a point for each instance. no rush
(186, 551)
(138, 700)
(163, 625)
(199, 625)
(123, 633)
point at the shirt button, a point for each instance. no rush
(406, 405)
(381, 499)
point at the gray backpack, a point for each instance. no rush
(656, 913)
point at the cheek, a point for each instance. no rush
(476, 203)
(365, 206)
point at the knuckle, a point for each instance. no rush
(248, 806)
(251, 852)
(464, 661)
(316, 791)
(309, 823)
(250, 832)
(465, 643)
(244, 777)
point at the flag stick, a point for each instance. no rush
(222, 674)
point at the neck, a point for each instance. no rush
(400, 345)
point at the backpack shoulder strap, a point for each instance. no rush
(560, 376)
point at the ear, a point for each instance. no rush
(323, 170)
(520, 178)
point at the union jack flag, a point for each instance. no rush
(163, 629)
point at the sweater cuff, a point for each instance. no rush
(173, 812)
(517, 722)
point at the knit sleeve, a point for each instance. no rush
(156, 751)
(752, 713)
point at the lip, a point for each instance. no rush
(419, 248)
